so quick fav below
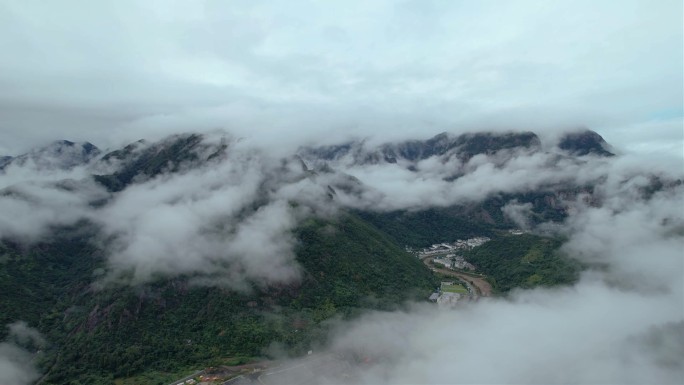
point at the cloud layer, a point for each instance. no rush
(623, 322)
(445, 181)
(306, 70)
(229, 220)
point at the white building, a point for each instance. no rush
(445, 262)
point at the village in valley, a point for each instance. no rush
(447, 259)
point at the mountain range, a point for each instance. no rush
(202, 250)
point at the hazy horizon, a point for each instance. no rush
(115, 72)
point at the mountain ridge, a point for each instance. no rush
(58, 155)
(347, 248)
(463, 147)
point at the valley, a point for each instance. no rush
(195, 252)
(447, 260)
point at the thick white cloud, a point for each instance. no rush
(30, 209)
(115, 71)
(395, 186)
(229, 221)
(203, 222)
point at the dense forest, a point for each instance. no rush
(96, 336)
(524, 261)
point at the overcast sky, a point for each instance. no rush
(115, 71)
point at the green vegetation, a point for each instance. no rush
(523, 261)
(434, 225)
(36, 279)
(343, 249)
(147, 334)
(455, 288)
(423, 228)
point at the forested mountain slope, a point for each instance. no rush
(199, 250)
(97, 335)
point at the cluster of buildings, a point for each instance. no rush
(453, 261)
(446, 248)
(446, 253)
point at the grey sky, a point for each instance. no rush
(115, 71)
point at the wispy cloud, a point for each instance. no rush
(16, 362)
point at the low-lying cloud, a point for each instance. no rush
(230, 221)
(226, 221)
(519, 213)
(444, 181)
(32, 209)
(222, 222)
(16, 361)
(623, 322)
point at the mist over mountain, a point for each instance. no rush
(341, 192)
(196, 249)
(61, 154)
(583, 143)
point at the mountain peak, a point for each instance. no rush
(142, 159)
(584, 142)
